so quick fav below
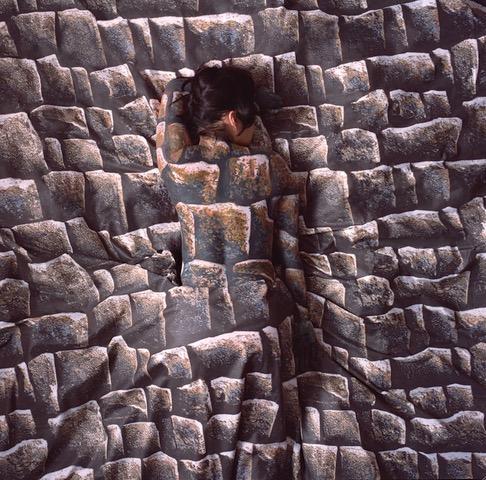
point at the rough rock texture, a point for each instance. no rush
(144, 339)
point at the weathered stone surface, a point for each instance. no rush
(344, 329)
(257, 418)
(87, 368)
(173, 362)
(104, 193)
(290, 80)
(123, 406)
(409, 71)
(209, 466)
(36, 33)
(376, 373)
(450, 291)
(362, 35)
(400, 463)
(320, 460)
(321, 42)
(188, 436)
(370, 112)
(372, 191)
(424, 368)
(465, 63)
(279, 24)
(57, 121)
(433, 140)
(429, 401)
(348, 80)
(323, 390)
(340, 427)
(218, 36)
(57, 82)
(82, 155)
(54, 332)
(62, 285)
(20, 147)
(463, 430)
(423, 223)
(117, 40)
(160, 466)
(21, 87)
(472, 140)
(140, 439)
(388, 334)
(78, 433)
(396, 40)
(80, 40)
(115, 84)
(357, 149)
(125, 467)
(15, 299)
(357, 463)
(331, 185)
(389, 430)
(422, 21)
(24, 460)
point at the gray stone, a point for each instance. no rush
(15, 299)
(124, 406)
(87, 368)
(82, 155)
(387, 334)
(24, 460)
(340, 427)
(57, 82)
(36, 33)
(389, 430)
(450, 291)
(349, 80)
(79, 433)
(332, 186)
(80, 40)
(113, 84)
(409, 71)
(140, 439)
(422, 20)
(117, 41)
(463, 430)
(433, 140)
(430, 401)
(370, 112)
(362, 35)
(20, 147)
(357, 463)
(57, 121)
(62, 285)
(400, 463)
(465, 63)
(21, 87)
(54, 332)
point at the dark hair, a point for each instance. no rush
(214, 91)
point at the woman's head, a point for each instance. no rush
(222, 103)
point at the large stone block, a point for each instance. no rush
(82, 375)
(62, 285)
(216, 36)
(21, 85)
(25, 460)
(362, 35)
(433, 141)
(328, 188)
(78, 437)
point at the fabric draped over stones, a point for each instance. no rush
(239, 213)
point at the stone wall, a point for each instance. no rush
(381, 104)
